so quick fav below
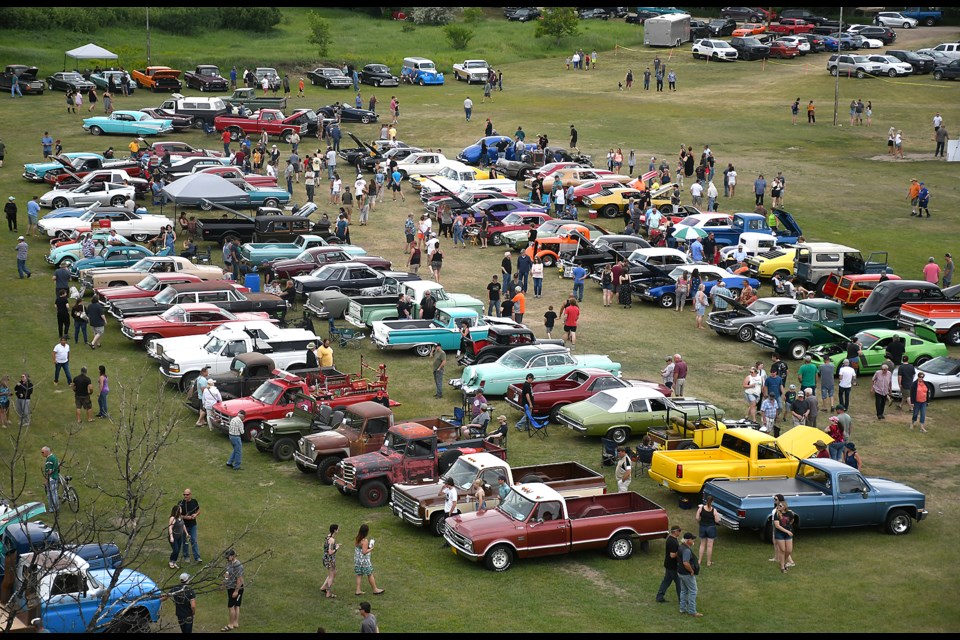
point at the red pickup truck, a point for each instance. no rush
(533, 520)
(270, 120)
(791, 27)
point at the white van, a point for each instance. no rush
(203, 109)
(421, 71)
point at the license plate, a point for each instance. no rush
(665, 484)
(454, 550)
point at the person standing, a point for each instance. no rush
(811, 113)
(573, 138)
(923, 201)
(368, 622)
(33, 207)
(709, 518)
(330, 548)
(233, 582)
(526, 403)
(931, 271)
(211, 396)
(623, 472)
(700, 303)
(825, 374)
(672, 80)
(679, 375)
(881, 385)
(61, 361)
(82, 389)
(98, 321)
(571, 317)
(63, 313)
(847, 376)
(235, 430)
(51, 478)
(190, 510)
(176, 533)
(947, 277)
(671, 551)
(439, 362)
(21, 254)
(919, 395)
(759, 188)
(536, 272)
(795, 110)
(4, 402)
(807, 373)
(468, 107)
(659, 78)
(579, 276)
(103, 386)
(519, 301)
(688, 566)
(783, 535)
(941, 136)
(835, 431)
(23, 391)
(813, 409)
(361, 560)
(184, 602)
(646, 79)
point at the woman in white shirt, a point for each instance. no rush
(536, 272)
(751, 392)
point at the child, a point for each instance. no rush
(58, 149)
(620, 86)
(549, 319)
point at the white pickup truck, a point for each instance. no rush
(181, 361)
(456, 176)
(471, 71)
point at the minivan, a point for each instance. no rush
(421, 71)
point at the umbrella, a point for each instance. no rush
(688, 233)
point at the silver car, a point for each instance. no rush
(741, 321)
(942, 375)
(88, 193)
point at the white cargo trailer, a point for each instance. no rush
(669, 30)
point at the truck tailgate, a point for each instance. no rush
(940, 310)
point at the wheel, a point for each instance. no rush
(283, 449)
(688, 445)
(423, 350)
(766, 532)
(137, 621)
(727, 16)
(326, 469)
(376, 83)
(695, 56)
(899, 522)
(715, 56)
(271, 202)
(59, 202)
(619, 434)
(365, 119)
(892, 73)
(555, 414)
(929, 22)
(420, 82)
(610, 211)
(373, 494)
(952, 337)
(66, 263)
(285, 136)
(313, 81)
(833, 71)
(188, 380)
(549, 261)
(149, 339)
(499, 559)
(754, 18)
(620, 547)
(496, 240)
(819, 288)
(859, 305)
(117, 283)
(921, 359)
(668, 300)
(50, 86)
(447, 458)
(798, 349)
(745, 333)
(252, 429)
(938, 75)
(72, 499)
(438, 523)
(860, 74)
(197, 123)
(117, 201)
(303, 469)
(206, 205)
(140, 237)
(235, 134)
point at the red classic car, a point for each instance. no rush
(316, 256)
(593, 187)
(516, 221)
(781, 49)
(152, 284)
(196, 318)
(232, 173)
(853, 290)
(552, 395)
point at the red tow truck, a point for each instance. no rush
(278, 396)
(270, 120)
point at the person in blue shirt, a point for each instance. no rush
(47, 143)
(358, 101)
(233, 78)
(523, 269)
(33, 213)
(696, 251)
(579, 273)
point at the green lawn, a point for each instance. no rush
(839, 188)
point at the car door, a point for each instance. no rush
(856, 500)
(219, 297)
(876, 354)
(207, 320)
(636, 414)
(419, 460)
(122, 222)
(547, 530)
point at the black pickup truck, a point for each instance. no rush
(268, 223)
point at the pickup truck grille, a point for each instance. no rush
(764, 339)
(404, 502)
(459, 540)
(349, 473)
(221, 419)
(86, 280)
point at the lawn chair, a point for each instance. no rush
(608, 457)
(345, 337)
(645, 457)
(537, 425)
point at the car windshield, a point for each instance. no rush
(142, 265)
(174, 314)
(149, 283)
(603, 401)
(427, 66)
(550, 226)
(209, 71)
(214, 345)
(761, 307)
(325, 273)
(395, 442)
(167, 296)
(867, 339)
(462, 472)
(305, 256)
(806, 312)
(72, 77)
(753, 42)
(268, 392)
(942, 365)
(516, 505)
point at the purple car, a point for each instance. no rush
(500, 208)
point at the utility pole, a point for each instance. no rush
(148, 36)
(836, 89)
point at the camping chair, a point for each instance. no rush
(608, 456)
(325, 413)
(537, 424)
(345, 337)
(645, 457)
(336, 418)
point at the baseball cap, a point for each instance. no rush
(793, 386)
(230, 553)
(689, 536)
(184, 577)
(11, 198)
(21, 237)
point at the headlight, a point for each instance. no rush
(174, 368)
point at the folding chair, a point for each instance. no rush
(608, 457)
(536, 424)
(645, 457)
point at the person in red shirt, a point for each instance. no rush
(226, 142)
(571, 315)
(821, 449)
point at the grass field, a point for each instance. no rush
(840, 187)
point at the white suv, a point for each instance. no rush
(894, 19)
(891, 66)
(713, 50)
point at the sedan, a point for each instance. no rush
(315, 257)
(891, 66)
(112, 256)
(150, 286)
(330, 78)
(593, 187)
(814, 41)
(127, 123)
(191, 319)
(88, 193)
(713, 50)
(178, 120)
(378, 75)
(348, 277)
(222, 293)
(740, 321)
(662, 290)
(348, 114)
(499, 208)
(515, 221)
(140, 227)
(801, 45)
(749, 29)
(525, 14)
(67, 80)
(102, 80)
(753, 14)
(941, 375)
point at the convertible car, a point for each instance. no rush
(348, 114)
(127, 123)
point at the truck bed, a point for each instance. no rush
(553, 472)
(610, 504)
(764, 487)
(400, 325)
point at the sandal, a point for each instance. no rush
(226, 628)
(378, 593)
(330, 595)
(360, 593)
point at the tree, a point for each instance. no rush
(472, 15)
(458, 36)
(319, 32)
(558, 22)
(434, 15)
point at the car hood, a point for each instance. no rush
(889, 487)
(371, 462)
(800, 441)
(143, 323)
(131, 585)
(232, 407)
(328, 440)
(483, 524)
(428, 494)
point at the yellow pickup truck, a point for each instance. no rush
(743, 453)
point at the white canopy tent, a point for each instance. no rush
(192, 190)
(88, 52)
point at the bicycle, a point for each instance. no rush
(66, 493)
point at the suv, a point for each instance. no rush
(849, 65)
(894, 19)
(920, 64)
(949, 71)
(951, 49)
(713, 50)
(886, 35)
(750, 48)
(891, 66)
(748, 14)
(804, 15)
(721, 27)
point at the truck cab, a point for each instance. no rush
(203, 110)
(421, 71)
(815, 261)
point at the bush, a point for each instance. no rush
(472, 15)
(458, 36)
(407, 27)
(251, 18)
(434, 15)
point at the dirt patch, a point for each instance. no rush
(598, 579)
(727, 368)
(907, 157)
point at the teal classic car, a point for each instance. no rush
(421, 335)
(102, 80)
(113, 256)
(252, 198)
(67, 254)
(545, 362)
(618, 414)
(260, 252)
(875, 343)
(127, 123)
(37, 171)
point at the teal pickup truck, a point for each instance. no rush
(364, 311)
(421, 335)
(814, 322)
(824, 493)
(262, 252)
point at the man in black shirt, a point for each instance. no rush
(506, 267)
(906, 372)
(63, 312)
(895, 349)
(526, 401)
(62, 278)
(404, 307)
(82, 388)
(493, 297)
(428, 307)
(573, 138)
(191, 509)
(709, 248)
(185, 603)
(670, 564)
(97, 321)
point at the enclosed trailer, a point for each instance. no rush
(670, 30)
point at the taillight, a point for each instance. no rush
(679, 470)
(483, 383)
(741, 513)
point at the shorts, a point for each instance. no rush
(409, 237)
(572, 328)
(395, 186)
(548, 327)
(234, 602)
(701, 311)
(607, 287)
(826, 392)
(98, 331)
(750, 397)
(914, 202)
(83, 402)
(889, 143)
(780, 535)
(708, 531)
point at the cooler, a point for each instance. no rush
(252, 282)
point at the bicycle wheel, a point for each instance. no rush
(72, 499)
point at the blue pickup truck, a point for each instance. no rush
(823, 494)
(788, 231)
(421, 335)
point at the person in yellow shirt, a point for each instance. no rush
(325, 354)
(134, 147)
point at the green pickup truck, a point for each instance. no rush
(815, 322)
(364, 311)
(249, 98)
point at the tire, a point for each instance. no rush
(117, 201)
(892, 73)
(206, 205)
(95, 130)
(423, 350)
(188, 380)
(938, 75)
(619, 434)
(668, 300)
(610, 211)
(555, 414)
(952, 336)
(906, 25)
(833, 71)
(766, 532)
(326, 468)
(860, 74)
(283, 449)
(898, 522)
(688, 445)
(137, 621)
(496, 239)
(420, 82)
(313, 81)
(303, 469)
(140, 237)
(921, 359)
(72, 499)
(499, 559)
(376, 83)
(365, 120)
(859, 305)
(197, 123)
(929, 22)
(715, 56)
(251, 430)
(620, 547)
(285, 136)
(50, 86)
(798, 349)
(447, 458)
(271, 202)
(727, 16)
(149, 339)
(819, 287)
(66, 263)
(438, 523)
(549, 261)
(373, 494)
(203, 88)
(745, 333)
(59, 202)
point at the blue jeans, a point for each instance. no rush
(843, 397)
(192, 532)
(438, 380)
(493, 308)
(537, 286)
(578, 291)
(226, 149)
(330, 172)
(22, 268)
(78, 327)
(836, 451)
(919, 409)
(524, 280)
(66, 369)
(467, 111)
(458, 236)
(175, 547)
(53, 501)
(102, 403)
(235, 455)
(688, 593)
(523, 424)
(290, 185)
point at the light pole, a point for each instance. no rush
(836, 89)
